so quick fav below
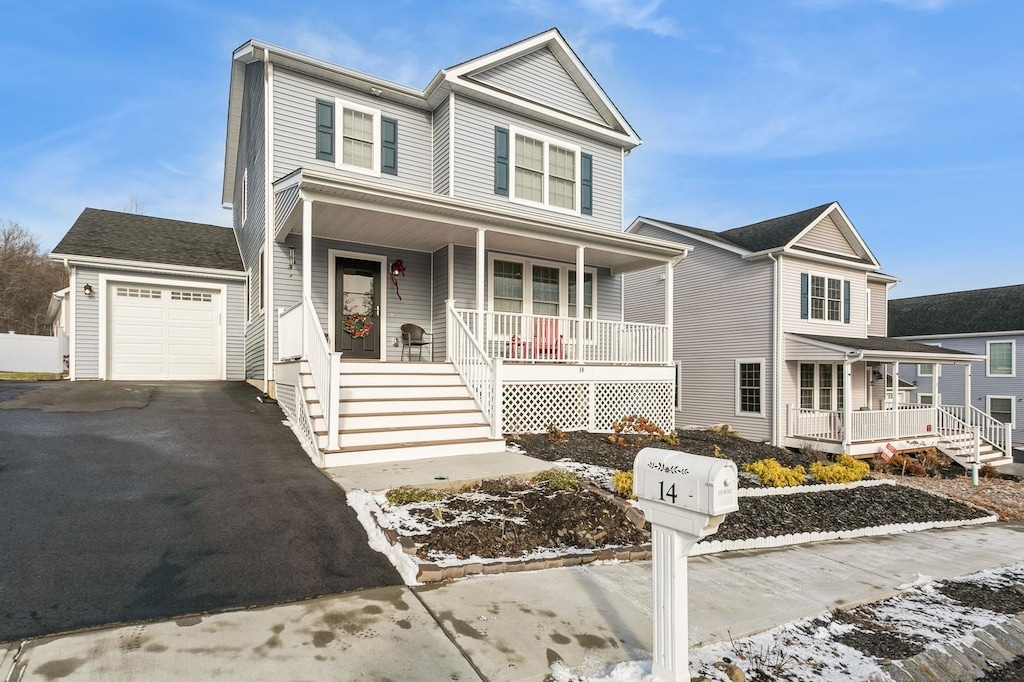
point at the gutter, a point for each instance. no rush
(776, 352)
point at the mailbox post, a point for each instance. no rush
(684, 497)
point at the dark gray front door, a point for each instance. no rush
(357, 292)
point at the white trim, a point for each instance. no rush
(245, 195)
(1013, 407)
(563, 282)
(636, 224)
(849, 231)
(842, 299)
(103, 292)
(965, 335)
(736, 386)
(451, 144)
(269, 211)
(835, 390)
(339, 127)
(1013, 359)
(936, 398)
(867, 305)
(548, 141)
(160, 268)
(72, 332)
(332, 266)
(451, 271)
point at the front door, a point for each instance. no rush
(357, 308)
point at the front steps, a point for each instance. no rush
(399, 411)
(960, 448)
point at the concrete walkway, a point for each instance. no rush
(511, 626)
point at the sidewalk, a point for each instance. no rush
(512, 626)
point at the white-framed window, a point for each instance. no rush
(926, 370)
(826, 298)
(545, 171)
(535, 287)
(929, 399)
(750, 387)
(1001, 407)
(1001, 355)
(245, 195)
(358, 137)
(821, 386)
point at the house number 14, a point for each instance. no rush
(669, 494)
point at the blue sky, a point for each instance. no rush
(910, 113)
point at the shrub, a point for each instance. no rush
(558, 479)
(930, 459)
(622, 481)
(671, 438)
(906, 466)
(724, 430)
(639, 426)
(555, 434)
(812, 453)
(846, 469)
(408, 495)
(775, 475)
(717, 452)
(988, 471)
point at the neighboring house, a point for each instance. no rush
(486, 209)
(984, 322)
(780, 331)
(151, 298)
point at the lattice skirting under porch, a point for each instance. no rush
(589, 406)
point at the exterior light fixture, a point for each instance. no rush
(291, 257)
(87, 290)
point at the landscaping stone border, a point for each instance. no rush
(813, 488)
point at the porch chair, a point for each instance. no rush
(547, 342)
(412, 337)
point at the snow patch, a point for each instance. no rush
(367, 510)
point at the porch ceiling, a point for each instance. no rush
(872, 349)
(364, 213)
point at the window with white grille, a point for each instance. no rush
(749, 387)
(136, 292)
(197, 296)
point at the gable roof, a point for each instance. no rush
(463, 77)
(130, 237)
(776, 233)
(999, 309)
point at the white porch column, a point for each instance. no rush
(669, 305)
(967, 393)
(307, 249)
(896, 400)
(847, 405)
(481, 277)
(581, 335)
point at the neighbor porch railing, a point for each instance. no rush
(480, 372)
(909, 421)
(539, 338)
(300, 335)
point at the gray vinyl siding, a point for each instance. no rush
(951, 378)
(294, 108)
(87, 325)
(441, 148)
(879, 324)
(254, 344)
(539, 77)
(474, 124)
(234, 353)
(284, 204)
(791, 322)
(465, 278)
(826, 236)
(644, 299)
(439, 312)
(415, 287)
(609, 295)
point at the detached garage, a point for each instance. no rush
(153, 299)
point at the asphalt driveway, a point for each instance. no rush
(123, 502)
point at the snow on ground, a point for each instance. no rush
(806, 650)
(366, 509)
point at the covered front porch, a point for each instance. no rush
(527, 310)
(845, 395)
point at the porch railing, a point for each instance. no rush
(992, 430)
(480, 372)
(300, 334)
(909, 421)
(539, 338)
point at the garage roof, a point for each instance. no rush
(131, 237)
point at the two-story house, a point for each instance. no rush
(985, 322)
(780, 331)
(475, 222)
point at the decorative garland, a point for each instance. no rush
(358, 325)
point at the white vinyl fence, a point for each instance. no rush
(25, 353)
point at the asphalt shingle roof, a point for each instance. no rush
(128, 236)
(883, 344)
(1000, 309)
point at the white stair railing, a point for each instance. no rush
(325, 366)
(480, 373)
(958, 433)
(992, 430)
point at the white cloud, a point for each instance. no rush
(640, 15)
(913, 5)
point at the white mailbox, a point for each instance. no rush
(685, 497)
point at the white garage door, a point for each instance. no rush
(162, 332)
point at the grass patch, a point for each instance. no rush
(30, 376)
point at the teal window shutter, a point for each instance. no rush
(325, 130)
(586, 184)
(805, 296)
(846, 301)
(388, 146)
(501, 161)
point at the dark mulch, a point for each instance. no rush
(876, 639)
(1000, 600)
(1008, 672)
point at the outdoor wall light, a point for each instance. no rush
(87, 290)
(291, 257)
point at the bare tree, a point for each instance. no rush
(27, 279)
(134, 205)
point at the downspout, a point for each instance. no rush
(269, 318)
(777, 440)
(72, 336)
(851, 358)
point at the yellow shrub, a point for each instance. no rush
(775, 475)
(846, 469)
(623, 483)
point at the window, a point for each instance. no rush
(539, 288)
(363, 137)
(821, 386)
(1001, 407)
(1000, 359)
(134, 292)
(545, 290)
(588, 294)
(749, 387)
(508, 287)
(824, 298)
(357, 138)
(926, 370)
(196, 296)
(928, 399)
(545, 171)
